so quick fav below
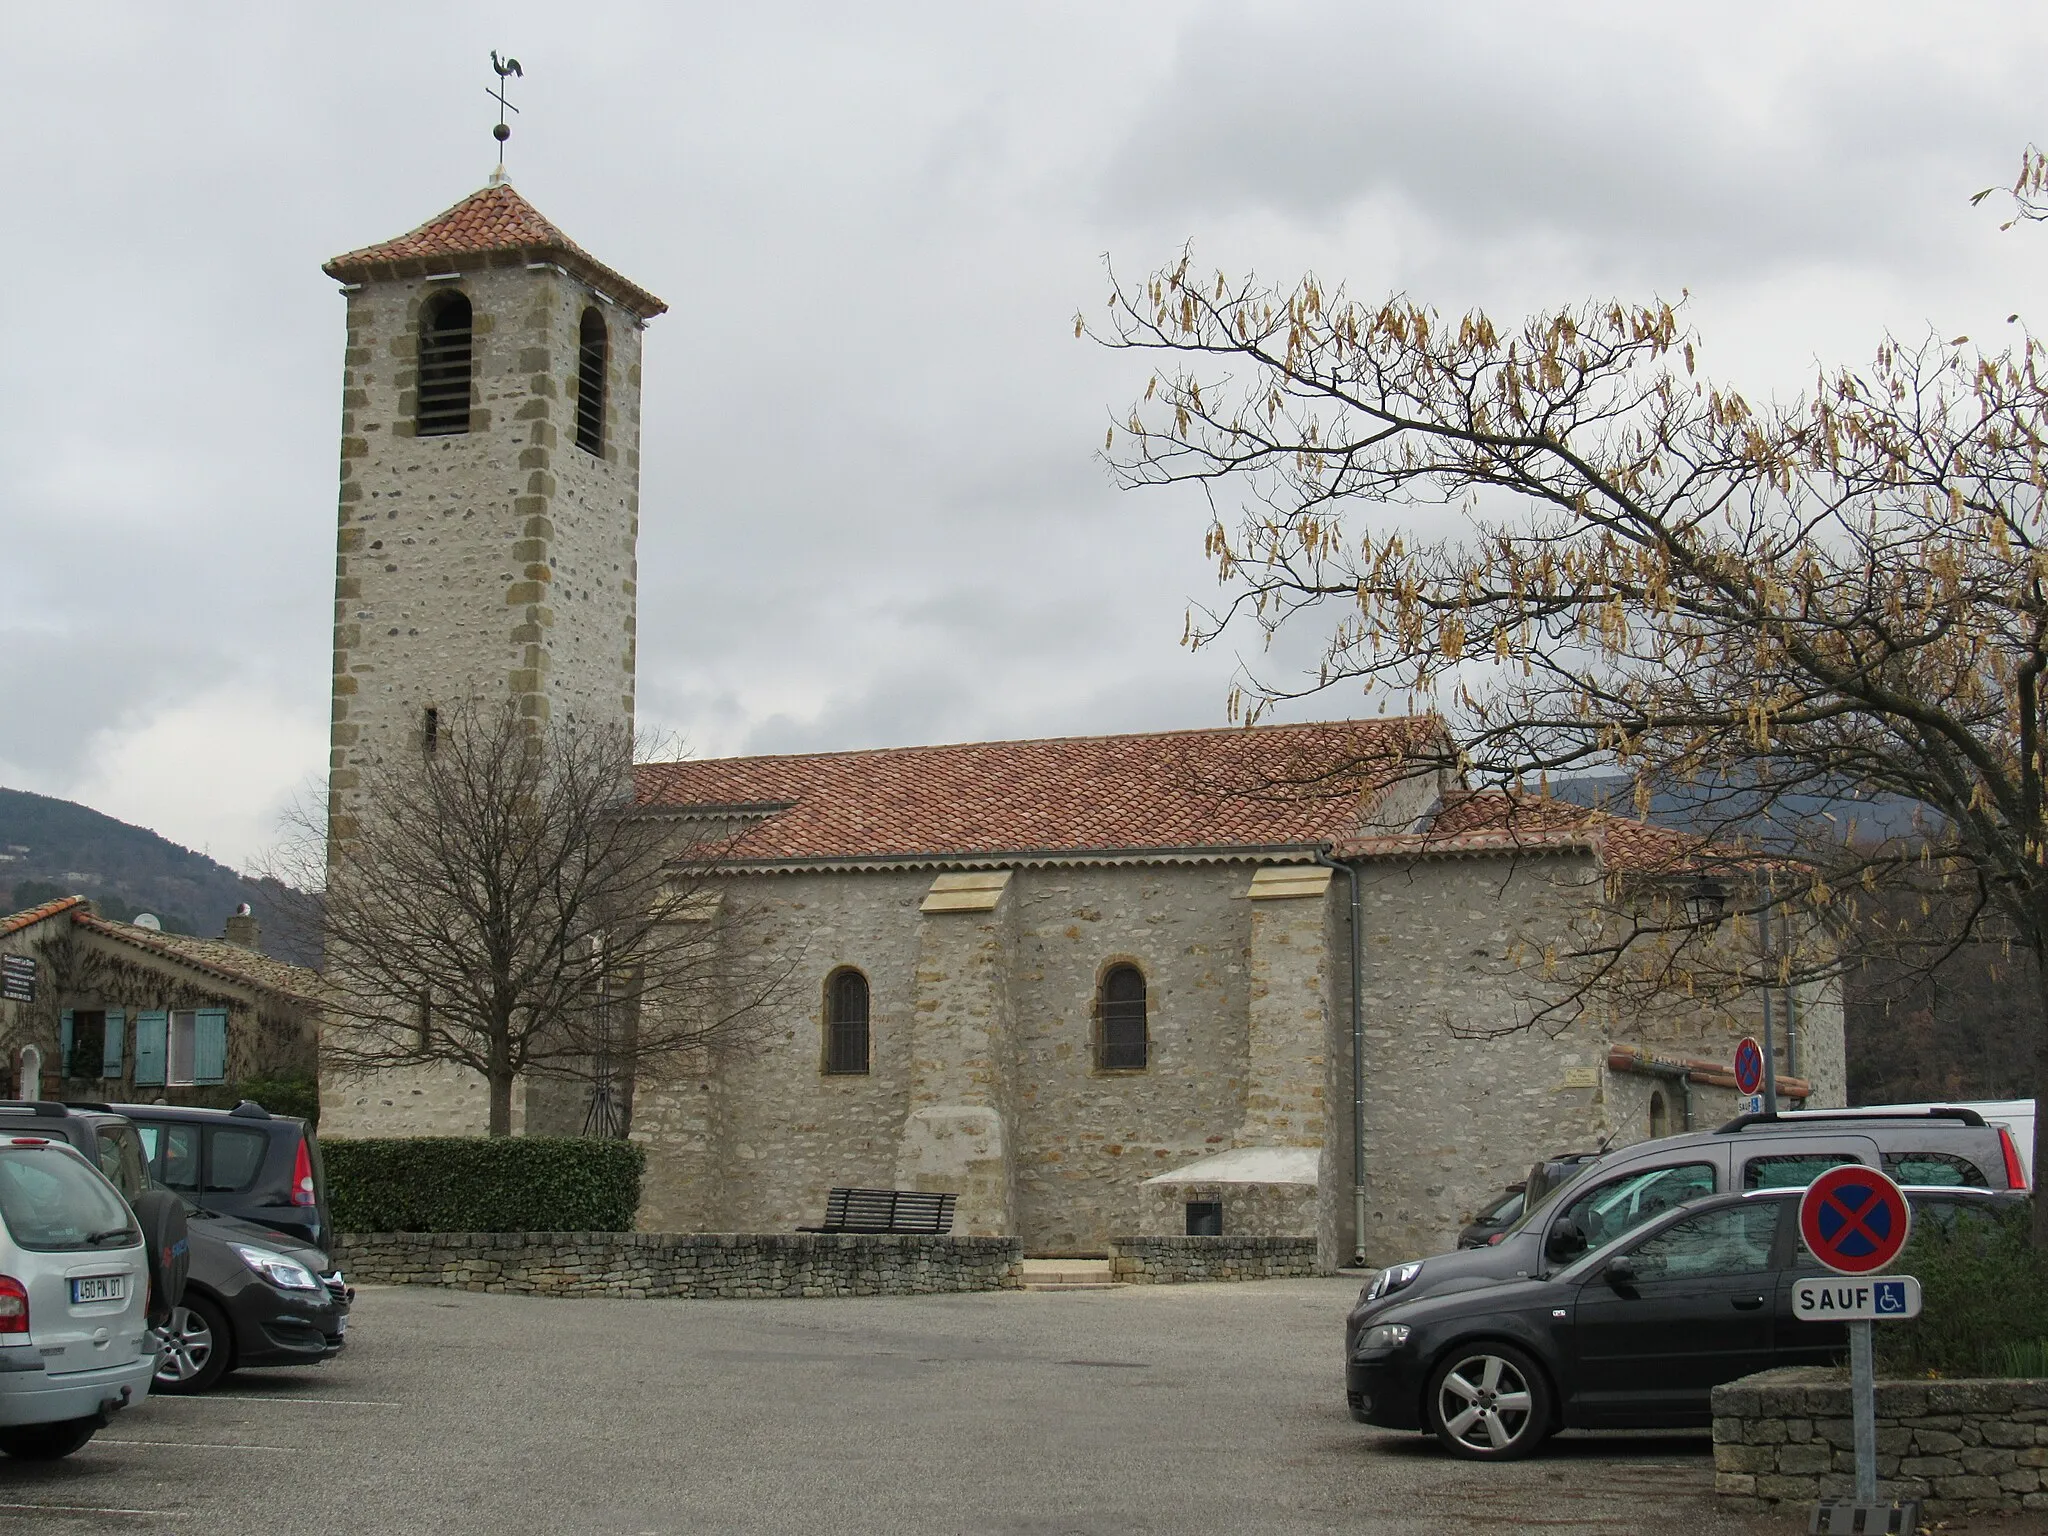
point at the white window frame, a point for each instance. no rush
(181, 1050)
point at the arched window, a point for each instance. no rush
(846, 1022)
(591, 353)
(446, 358)
(1660, 1116)
(1120, 1038)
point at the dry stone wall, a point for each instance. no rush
(1181, 1260)
(1958, 1446)
(654, 1264)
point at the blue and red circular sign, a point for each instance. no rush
(1854, 1219)
(1749, 1066)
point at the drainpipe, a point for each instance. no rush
(1350, 873)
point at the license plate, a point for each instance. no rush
(99, 1288)
(342, 1326)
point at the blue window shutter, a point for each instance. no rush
(152, 1037)
(64, 1044)
(210, 1045)
(110, 1054)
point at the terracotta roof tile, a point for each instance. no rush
(1496, 821)
(494, 221)
(33, 915)
(1267, 786)
(217, 956)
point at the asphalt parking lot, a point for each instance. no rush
(1215, 1408)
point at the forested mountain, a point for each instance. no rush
(51, 847)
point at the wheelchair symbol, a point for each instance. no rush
(1891, 1296)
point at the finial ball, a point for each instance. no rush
(501, 132)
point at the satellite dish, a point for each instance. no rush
(150, 921)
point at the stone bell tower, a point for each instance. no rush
(489, 508)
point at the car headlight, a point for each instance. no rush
(286, 1274)
(1394, 1278)
(1383, 1336)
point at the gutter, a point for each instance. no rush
(1350, 872)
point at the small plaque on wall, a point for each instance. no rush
(1580, 1077)
(17, 979)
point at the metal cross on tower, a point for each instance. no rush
(506, 69)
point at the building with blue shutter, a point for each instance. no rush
(117, 1011)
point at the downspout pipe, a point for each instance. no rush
(1350, 873)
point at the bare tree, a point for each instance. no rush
(1800, 607)
(497, 903)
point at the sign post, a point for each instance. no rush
(1855, 1221)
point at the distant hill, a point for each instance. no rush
(51, 848)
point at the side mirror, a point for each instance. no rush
(1621, 1272)
(1566, 1242)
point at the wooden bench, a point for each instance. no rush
(887, 1210)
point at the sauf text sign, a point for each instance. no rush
(1820, 1300)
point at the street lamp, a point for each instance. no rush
(1706, 903)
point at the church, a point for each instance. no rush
(1258, 981)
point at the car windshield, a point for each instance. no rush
(51, 1202)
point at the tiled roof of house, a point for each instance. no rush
(15, 922)
(495, 222)
(1260, 787)
(1482, 822)
(230, 962)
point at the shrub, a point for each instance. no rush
(296, 1096)
(1986, 1300)
(483, 1184)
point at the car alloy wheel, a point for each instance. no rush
(195, 1352)
(1489, 1404)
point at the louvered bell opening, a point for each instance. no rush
(590, 368)
(446, 366)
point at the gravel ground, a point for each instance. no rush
(1182, 1409)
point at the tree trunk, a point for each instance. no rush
(501, 1101)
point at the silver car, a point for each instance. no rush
(75, 1343)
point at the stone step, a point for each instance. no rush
(1066, 1275)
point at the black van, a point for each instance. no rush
(242, 1162)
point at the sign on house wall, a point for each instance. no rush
(17, 979)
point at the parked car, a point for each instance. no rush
(1606, 1199)
(1490, 1223)
(2016, 1115)
(254, 1296)
(75, 1273)
(242, 1162)
(1633, 1335)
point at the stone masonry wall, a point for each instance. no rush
(649, 1264)
(494, 566)
(1786, 1436)
(757, 1143)
(1181, 1260)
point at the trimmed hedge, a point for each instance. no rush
(483, 1184)
(1986, 1307)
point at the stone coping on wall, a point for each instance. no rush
(683, 1264)
(1958, 1446)
(1184, 1260)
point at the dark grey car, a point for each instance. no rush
(1603, 1200)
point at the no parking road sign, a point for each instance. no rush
(1749, 1066)
(1854, 1219)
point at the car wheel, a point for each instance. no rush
(1489, 1402)
(200, 1348)
(46, 1442)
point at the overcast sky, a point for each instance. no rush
(871, 511)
